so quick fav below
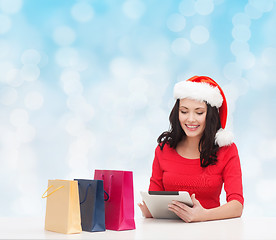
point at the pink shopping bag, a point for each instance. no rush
(119, 208)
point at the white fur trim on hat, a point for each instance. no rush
(224, 137)
(198, 91)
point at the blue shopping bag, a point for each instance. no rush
(91, 194)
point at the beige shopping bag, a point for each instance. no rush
(62, 207)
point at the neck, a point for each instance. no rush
(191, 142)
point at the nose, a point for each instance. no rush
(191, 117)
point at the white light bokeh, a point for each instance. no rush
(11, 6)
(8, 96)
(30, 56)
(181, 46)
(241, 33)
(262, 5)
(133, 9)
(187, 7)
(19, 117)
(121, 68)
(71, 83)
(238, 47)
(67, 57)
(241, 19)
(246, 60)
(204, 7)
(64, 35)
(232, 71)
(26, 133)
(176, 22)
(199, 34)
(34, 100)
(5, 24)
(252, 12)
(82, 12)
(30, 72)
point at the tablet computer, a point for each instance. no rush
(158, 201)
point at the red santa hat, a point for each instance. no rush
(203, 88)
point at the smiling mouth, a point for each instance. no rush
(192, 127)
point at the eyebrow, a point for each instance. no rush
(195, 108)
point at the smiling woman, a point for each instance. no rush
(198, 155)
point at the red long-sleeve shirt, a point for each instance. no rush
(172, 172)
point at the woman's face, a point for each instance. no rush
(192, 117)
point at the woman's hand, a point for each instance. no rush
(189, 214)
(145, 211)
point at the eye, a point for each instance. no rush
(200, 113)
(183, 112)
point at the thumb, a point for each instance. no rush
(194, 200)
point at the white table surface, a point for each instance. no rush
(239, 228)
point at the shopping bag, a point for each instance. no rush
(119, 208)
(91, 194)
(62, 207)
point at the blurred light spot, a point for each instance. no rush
(187, 8)
(232, 71)
(238, 47)
(43, 60)
(25, 133)
(30, 56)
(199, 34)
(8, 95)
(82, 12)
(75, 126)
(121, 68)
(204, 7)
(71, 82)
(11, 6)
(67, 57)
(64, 35)
(262, 5)
(241, 19)
(34, 100)
(258, 77)
(241, 33)
(5, 24)
(133, 9)
(246, 60)
(30, 72)
(138, 85)
(80, 107)
(19, 117)
(181, 46)
(252, 12)
(176, 22)
(269, 56)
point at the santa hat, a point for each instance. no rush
(203, 88)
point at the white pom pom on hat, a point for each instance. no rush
(204, 88)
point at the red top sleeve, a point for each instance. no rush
(232, 176)
(156, 180)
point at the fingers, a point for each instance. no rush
(145, 211)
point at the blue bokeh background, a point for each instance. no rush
(86, 85)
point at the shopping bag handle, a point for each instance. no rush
(51, 192)
(109, 187)
(89, 185)
(107, 196)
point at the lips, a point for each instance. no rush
(192, 127)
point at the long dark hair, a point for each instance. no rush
(207, 147)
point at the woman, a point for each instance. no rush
(197, 154)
